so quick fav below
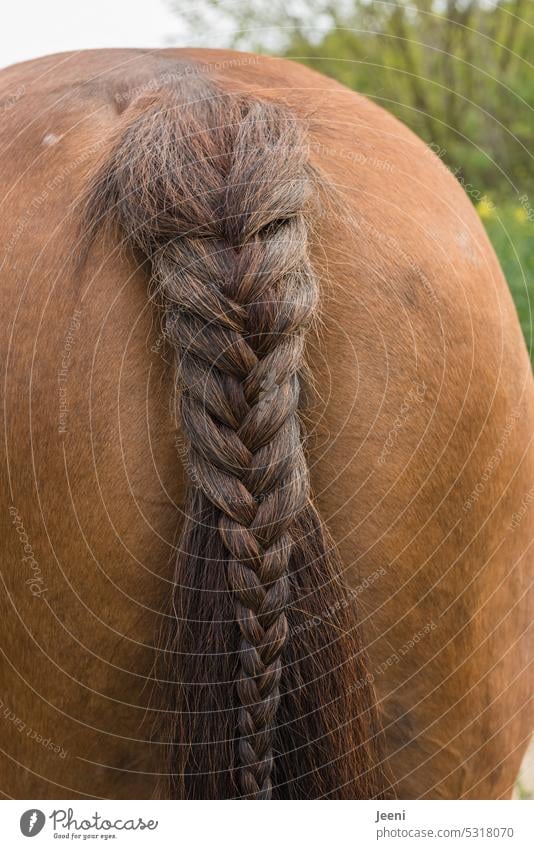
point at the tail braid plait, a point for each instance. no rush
(239, 354)
(214, 189)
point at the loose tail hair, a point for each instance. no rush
(271, 697)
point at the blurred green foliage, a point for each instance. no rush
(458, 77)
(456, 71)
(512, 236)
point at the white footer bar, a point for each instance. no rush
(302, 825)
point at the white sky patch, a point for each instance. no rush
(33, 28)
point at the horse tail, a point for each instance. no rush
(271, 696)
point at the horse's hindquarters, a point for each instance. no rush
(419, 456)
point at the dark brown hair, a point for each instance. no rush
(271, 698)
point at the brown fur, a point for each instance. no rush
(411, 295)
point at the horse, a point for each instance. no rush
(267, 424)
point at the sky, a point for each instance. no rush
(33, 28)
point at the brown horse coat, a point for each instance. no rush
(420, 424)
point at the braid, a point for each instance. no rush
(213, 188)
(245, 300)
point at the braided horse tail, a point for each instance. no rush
(271, 698)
